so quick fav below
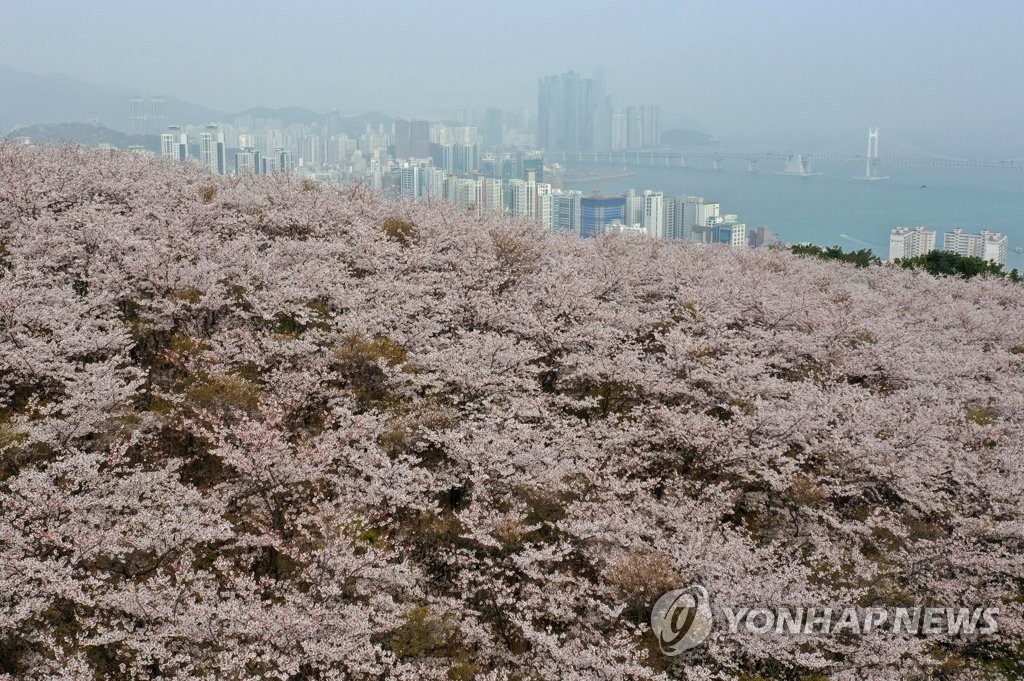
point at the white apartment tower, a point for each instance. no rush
(247, 162)
(174, 144)
(991, 246)
(522, 198)
(492, 194)
(544, 205)
(654, 214)
(905, 242)
(567, 212)
(634, 214)
(211, 150)
(411, 181)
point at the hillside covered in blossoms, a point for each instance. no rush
(252, 428)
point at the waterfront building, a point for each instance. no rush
(991, 246)
(697, 216)
(905, 242)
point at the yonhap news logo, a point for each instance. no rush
(683, 619)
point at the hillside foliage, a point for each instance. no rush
(252, 428)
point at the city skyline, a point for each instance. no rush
(791, 70)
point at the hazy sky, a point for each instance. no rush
(944, 74)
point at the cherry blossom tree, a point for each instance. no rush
(252, 428)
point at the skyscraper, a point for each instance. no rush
(419, 134)
(157, 116)
(565, 111)
(174, 144)
(654, 214)
(247, 162)
(401, 137)
(411, 181)
(212, 151)
(137, 116)
(494, 128)
(600, 213)
(566, 212)
(146, 117)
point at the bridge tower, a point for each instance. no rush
(871, 162)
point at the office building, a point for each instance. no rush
(597, 213)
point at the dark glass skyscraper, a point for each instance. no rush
(598, 213)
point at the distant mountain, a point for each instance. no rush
(686, 138)
(30, 99)
(88, 134)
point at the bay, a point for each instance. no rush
(835, 209)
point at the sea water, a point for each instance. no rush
(835, 209)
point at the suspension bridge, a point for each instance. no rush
(872, 160)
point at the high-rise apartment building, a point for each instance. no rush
(697, 216)
(146, 117)
(157, 116)
(652, 126)
(634, 208)
(991, 246)
(492, 194)
(543, 212)
(494, 128)
(522, 198)
(212, 151)
(411, 181)
(565, 111)
(248, 162)
(636, 127)
(620, 130)
(654, 214)
(137, 116)
(567, 212)
(434, 180)
(673, 215)
(411, 139)
(905, 242)
(174, 144)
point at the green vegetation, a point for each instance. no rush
(861, 258)
(955, 265)
(937, 263)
